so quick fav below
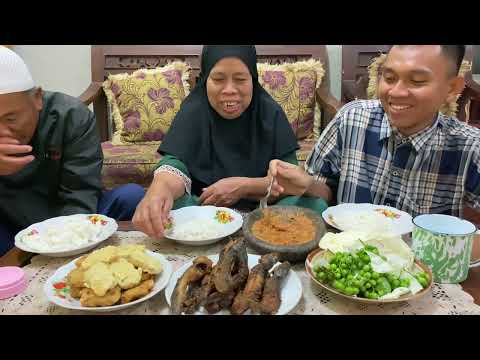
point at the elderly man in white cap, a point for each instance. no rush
(50, 156)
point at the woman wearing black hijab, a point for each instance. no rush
(219, 146)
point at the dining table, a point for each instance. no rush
(448, 299)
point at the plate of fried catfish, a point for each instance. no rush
(234, 282)
(109, 279)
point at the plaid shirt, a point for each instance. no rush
(364, 160)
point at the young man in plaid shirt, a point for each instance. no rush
(399, 150)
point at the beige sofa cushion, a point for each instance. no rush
(293, 86)
(144, 103)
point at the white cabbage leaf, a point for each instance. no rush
(378, 264)
(414, 286)
(396, 293)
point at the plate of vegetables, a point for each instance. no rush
(364, 272)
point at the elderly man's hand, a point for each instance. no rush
(12, 159)
(289, 179)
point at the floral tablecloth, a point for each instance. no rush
(443, 299)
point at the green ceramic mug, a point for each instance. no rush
(444, 243)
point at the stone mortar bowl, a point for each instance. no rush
(292, 253)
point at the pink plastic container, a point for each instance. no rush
(12, 281)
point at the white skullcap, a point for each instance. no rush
(14, 74)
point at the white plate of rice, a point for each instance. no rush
(202, 225)
(368, 217)
(66, 235)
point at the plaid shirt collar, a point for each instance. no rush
(417, 140)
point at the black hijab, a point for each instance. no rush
(214, 148)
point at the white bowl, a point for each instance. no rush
(207, 214)
(401, 225)
(108, 229)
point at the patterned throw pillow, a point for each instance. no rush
(448, 109)
(293, 86)
(144, 103)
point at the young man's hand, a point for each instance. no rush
(289, 179)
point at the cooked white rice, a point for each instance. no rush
(199, 229)
(370, 221)
(72, 235)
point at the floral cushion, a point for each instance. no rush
(293, 86)
(144, 103)
(124, 164)
(448, 109)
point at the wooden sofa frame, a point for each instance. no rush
(114, 59)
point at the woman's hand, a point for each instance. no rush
(152, 212)
(224, 192)
(289, 179)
